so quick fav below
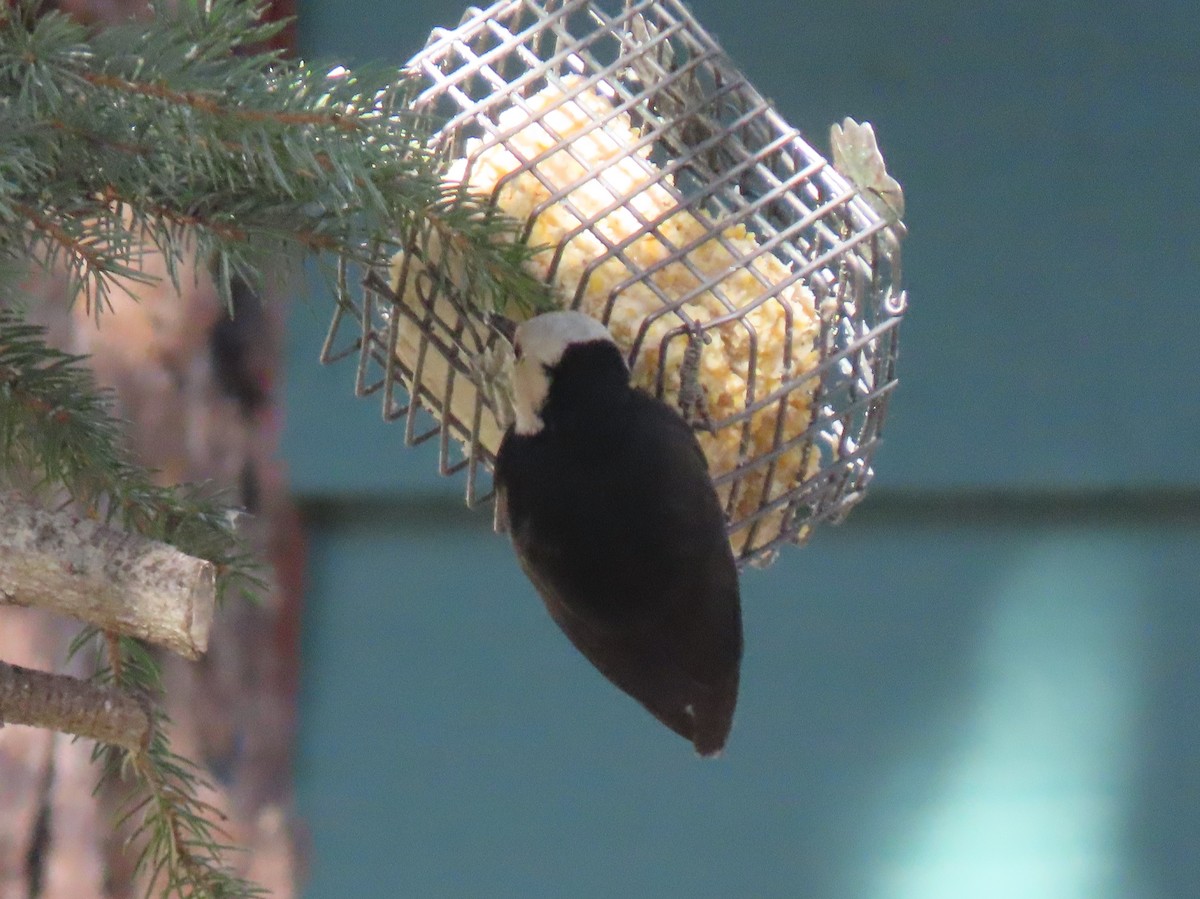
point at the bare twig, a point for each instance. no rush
(120, 582)
(72, 706)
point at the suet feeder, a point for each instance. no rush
(751, 282)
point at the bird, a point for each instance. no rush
(607, 498)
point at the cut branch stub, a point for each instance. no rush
(73, 706)
(120, 582)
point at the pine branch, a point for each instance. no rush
(173, 135)
(178, 839)
(158, 132)
(55, 431)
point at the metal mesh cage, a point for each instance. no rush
(749, 282)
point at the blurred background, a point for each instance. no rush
(985, 683)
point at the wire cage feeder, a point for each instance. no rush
(751, 284)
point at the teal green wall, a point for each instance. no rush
(973, 688)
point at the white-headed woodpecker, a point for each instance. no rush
(612, 512)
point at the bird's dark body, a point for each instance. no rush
(615, 521)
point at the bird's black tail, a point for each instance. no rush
(713, 719)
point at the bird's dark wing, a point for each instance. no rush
(635, 567)
(701, 597)
(651, 666)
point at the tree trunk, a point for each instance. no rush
(199, 391)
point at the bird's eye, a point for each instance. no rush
(517, 350)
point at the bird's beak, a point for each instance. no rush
(502, 325)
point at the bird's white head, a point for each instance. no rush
(539, 344)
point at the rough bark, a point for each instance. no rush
(198, 391)
(72, 706)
